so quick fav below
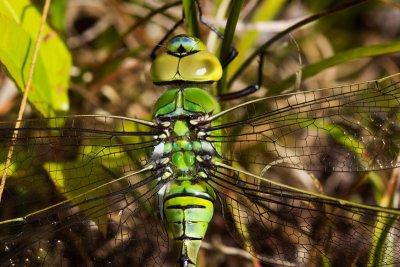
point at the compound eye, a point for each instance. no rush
(183, 45)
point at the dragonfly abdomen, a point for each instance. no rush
(187, 210)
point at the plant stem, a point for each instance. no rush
(190, 13)
(25, 95)
(226, 45)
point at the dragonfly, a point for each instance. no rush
(113, 190)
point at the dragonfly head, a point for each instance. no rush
(186, 60)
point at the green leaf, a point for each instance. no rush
(65, 181)
(113, 164)
(192, 25)
(57, 17)
(338, 58)
(383, 242)
(226, 45)
(10, 169)
(266, 11)
(325, 260)
(20, 22)
(383, 239)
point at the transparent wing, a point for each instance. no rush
(347, 128)
(113, 224)
(72, 185)
(282, 225)
(69, 155)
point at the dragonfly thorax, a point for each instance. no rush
(187, 154)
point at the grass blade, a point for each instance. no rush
(338, 58)
(226, 45)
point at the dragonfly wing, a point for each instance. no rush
(69, 155)
(346, 128)
(73, 179)
(283, 225)
(72, 232)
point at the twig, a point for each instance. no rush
(25, 95)
(391, 3)
(232, 251)
(260, 26)
(136, 25)
(90, 34)
(299, 73)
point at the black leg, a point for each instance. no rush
(208, 25)
(249, 89)
(239, 94)
(160, 43)
(233, 53)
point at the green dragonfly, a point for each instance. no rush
(126, 191)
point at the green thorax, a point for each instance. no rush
(186, 101)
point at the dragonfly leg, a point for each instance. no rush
(231, 56)
(249, 89)
(233, 53)
(225, 62)
(239, 94)
(208, 25)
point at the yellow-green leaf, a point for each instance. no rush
(64, 178)
(20, 21)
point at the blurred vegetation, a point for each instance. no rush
(111, 54)
(110, 43)
(97, 52)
